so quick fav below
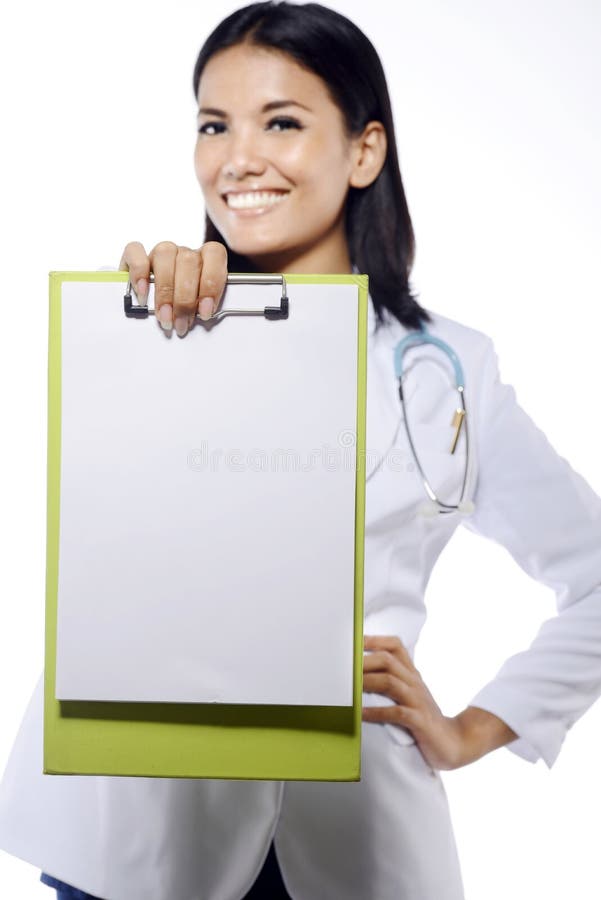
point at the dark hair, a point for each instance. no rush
(377, 221)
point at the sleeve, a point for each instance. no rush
(532, 502)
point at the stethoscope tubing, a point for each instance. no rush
(419, 338)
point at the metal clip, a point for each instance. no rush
(138, 311)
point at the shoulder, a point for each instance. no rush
(474, 348)
(467, 342)
(478, 357)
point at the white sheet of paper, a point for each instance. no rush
(207, 501)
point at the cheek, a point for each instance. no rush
(204, 165)
(325, 168)
(312, 161)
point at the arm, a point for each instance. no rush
(446, 742)
(532, 502)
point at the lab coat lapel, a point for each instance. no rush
(384, 412)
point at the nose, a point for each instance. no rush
(243, 156)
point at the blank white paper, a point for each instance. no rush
(207, 501)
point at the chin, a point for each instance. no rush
(257, 250)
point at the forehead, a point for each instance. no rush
(246, 71)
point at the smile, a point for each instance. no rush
(254, 199)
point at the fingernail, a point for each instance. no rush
(206, 308)
(166, 317)
(181, 325)
(142, 291)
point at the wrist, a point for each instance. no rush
(482, 731)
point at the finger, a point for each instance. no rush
(213, 277)
(384, 661)
(162, 261)
(388, 642)
(391, 715)
(185, 288)
(135, 261)
(388, 685)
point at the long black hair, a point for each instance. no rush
(377, 221)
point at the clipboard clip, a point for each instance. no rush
(137, 311)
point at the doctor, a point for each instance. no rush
(297, 161)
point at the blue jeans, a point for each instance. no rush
(65, 891)
(268, 886)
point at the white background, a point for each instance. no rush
(499, 131)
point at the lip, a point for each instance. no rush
(256, 190)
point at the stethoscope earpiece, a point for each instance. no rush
(428, 509)
(467, 507)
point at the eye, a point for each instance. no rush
(285, 123)
(204, 129)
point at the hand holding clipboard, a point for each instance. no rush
(187, 281)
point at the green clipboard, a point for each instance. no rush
(198, 740)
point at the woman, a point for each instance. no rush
(297, 161)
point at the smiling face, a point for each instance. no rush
(274, 162)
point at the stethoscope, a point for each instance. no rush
(460, 421)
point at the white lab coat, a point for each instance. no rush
(388, 837)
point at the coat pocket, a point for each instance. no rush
(399, 735)
(444, 471)
(402, 737)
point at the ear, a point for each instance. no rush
(369, 153)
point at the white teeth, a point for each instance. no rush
(253, 199)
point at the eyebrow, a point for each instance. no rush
(274, 104)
